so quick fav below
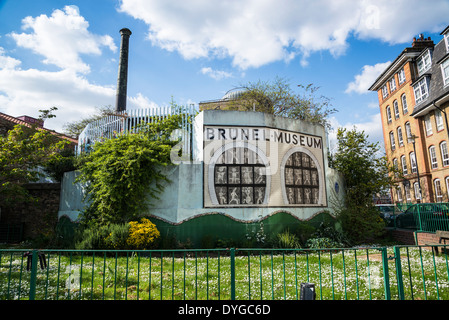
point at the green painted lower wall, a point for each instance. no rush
(206, 230)
(216, 230)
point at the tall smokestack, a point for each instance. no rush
(122, 81)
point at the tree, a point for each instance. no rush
(121, 174)
(74, 128)
(365, 174)
(279, 98)
(23, 151)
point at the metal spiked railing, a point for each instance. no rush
(384, 273)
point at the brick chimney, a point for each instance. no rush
(422, 42)
(122, 81)
(33, 121)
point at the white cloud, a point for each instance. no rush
(24, 92)
(7, 62)
(62, 38)
(257, 32)
(366, 78)
(215, 74)
(372, 127)
(140, 102)
(390, 21)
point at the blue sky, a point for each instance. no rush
(65, 53)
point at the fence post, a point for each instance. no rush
(386, 274)
(419, 217)
(33, 276)
(232, 274)
(397, 257)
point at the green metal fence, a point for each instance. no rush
(393, 273)
(428, 217)
(10, 233)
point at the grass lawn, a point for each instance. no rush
(259, 274)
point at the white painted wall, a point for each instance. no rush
(183, 197)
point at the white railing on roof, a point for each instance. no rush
(128, 121)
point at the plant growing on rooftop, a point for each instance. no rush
(279, 98)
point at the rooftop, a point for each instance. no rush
(27, 121)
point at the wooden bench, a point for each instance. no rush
(442, 236)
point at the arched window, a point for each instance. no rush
(404, 165)
(392, 143)
(238, 176)
(399, 193)
(444, 153)
(408, 196)
(438, 193)
(300, 177)
(447, 186)
(389, 114)
(404, 104)
(433, 157)
(413, 162)
(396, 109)
(400, 138)
(417, 193)
(408, 131)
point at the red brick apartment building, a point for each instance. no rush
(413, 97)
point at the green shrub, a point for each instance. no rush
(319, 243)
(304, 231)
(112, 236)
(288, 240)
(118, 236)
(123, 175)
(132, 235)
(328, 230)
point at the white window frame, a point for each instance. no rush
(389, 119)
(399, 193)
(424, 62)
(413, 166)
(428, 125)
(444, 153)
(400, 137)
(421, 90)
(433, 157)
(401, 76)
(404, 104)
(417, 193)
(438, 192)
(408, 131)
(392, 142)
(447, 186)
(408, 196)
(404, 165)
(396, 109)
(392, 84)
(384, 91)
(439, 120)
(445, 71)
